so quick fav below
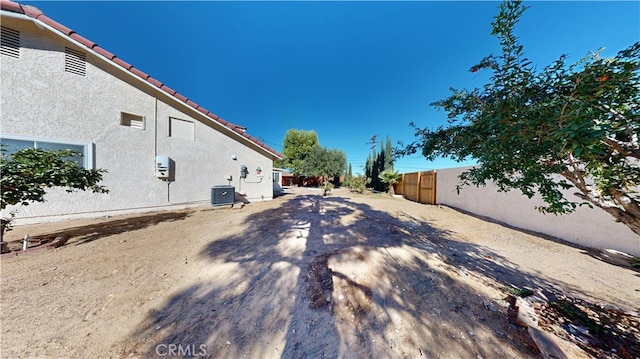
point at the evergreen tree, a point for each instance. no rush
(376, 164)
(388, 159)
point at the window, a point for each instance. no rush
(181, 129)
(12, 144)
(10, 42)
(131, 120)
(276, 177)
(75, 62)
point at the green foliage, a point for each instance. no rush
(356, 183)
(574, 314)
(27, 173)
(518, 292)
(324, 162)
(388, 155)
(376, 164)
(297, 145)
(279, 163)
(390, 177)
(326, 187)
(565, 126)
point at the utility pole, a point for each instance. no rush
(373, 145)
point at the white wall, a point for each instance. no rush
(589, 227)
(39, 99)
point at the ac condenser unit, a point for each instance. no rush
(223, 195)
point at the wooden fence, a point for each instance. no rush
(418, 186)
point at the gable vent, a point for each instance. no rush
(75, 62)
(130, 120)
(10, 42)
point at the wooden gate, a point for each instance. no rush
(418, 186)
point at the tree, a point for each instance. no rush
(388, 155)
(325, 163)
(376, 164)
(390, 177)
(27, 173)
(565, 127)
(297, 145)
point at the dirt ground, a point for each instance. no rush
(306, 276)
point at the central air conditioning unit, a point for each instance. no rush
(222, 195)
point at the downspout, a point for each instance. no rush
(155, 130)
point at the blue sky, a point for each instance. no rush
(348, 70)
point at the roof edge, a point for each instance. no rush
(37, 15)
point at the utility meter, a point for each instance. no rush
(244, 171)
(163, 167)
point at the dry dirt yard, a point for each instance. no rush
(306, 276)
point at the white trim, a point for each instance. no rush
(87, 156)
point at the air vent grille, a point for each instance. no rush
(75, 62)
(130, 120)
(10, 42)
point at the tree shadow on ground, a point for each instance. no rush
(329, 277)
(89, 233)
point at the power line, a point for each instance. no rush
(372, 143)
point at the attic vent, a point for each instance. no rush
(130, 120)
(10, 40)
(75, 62)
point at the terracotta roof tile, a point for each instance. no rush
(104, 52)
(154, 82)
(122, 63)
(88, 43)
(31, 11)
(54, 24)
(180, 97)
(168, 90)
(35, 13)
(139, 73)
(203, 110)
(11, 6)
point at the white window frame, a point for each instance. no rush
(87, 153)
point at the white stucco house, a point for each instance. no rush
(61, 90)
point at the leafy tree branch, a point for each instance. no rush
(567, 126)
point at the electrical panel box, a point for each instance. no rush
(163, 167)
(244, 171)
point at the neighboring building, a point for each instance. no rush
(288, 179)
(60, 90)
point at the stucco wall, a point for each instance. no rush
(40, 99)
(590, 227)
